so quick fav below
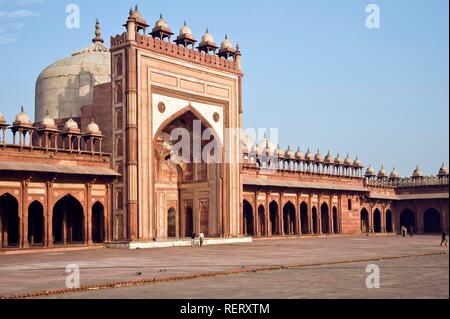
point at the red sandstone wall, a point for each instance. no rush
(102, 114)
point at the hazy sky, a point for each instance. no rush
(312, 68)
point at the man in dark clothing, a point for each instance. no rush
(193, 235)
(444, 239)
(411, 231)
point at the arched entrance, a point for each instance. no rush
(273, 216)
(364, 221)
(289, 218)
(9, 221)
(68, 221)
(189, 222)
(432, 221)
(389, 228)
(407, 219)
(248, 219)
(262, 221)
(335, 221)
(377, 221)
(324, 214)
(315, 221)
(188, 159)
(171, 223)
(304, 218)
(98, 223)
(36, 223)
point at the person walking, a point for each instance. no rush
(403, 231)
(193, 235)
(411, 231)
(444, 241)
(202, 238)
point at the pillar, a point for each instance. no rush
(48, 216)
(23, 215)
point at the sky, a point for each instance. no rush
(312, 68)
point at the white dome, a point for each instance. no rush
(186, 32)
(93, 128)
(207, 38)
(48, 121)
(22, 118)
(71, 125)
(226, 44)
(67, 85)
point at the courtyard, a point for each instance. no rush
(308, 267)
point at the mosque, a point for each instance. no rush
(99, 164)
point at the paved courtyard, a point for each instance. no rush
(323, 268)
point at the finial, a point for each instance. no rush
(185, 23)
(226, 36)
(21, 108)
(98, 33)
(136, 8)
(238, 46)
(207, 31)
(161, 16)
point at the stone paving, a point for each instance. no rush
(416, 277)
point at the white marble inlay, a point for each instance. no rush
(174, 105)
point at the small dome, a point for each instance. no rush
(394, 174)
(382, 173)
(93, 128)
(357, 162)
(318, 157)
(338, 159)
(22, 118)
(348, 161)
(48, 121)
(207, 38)
(280, 152)
(289, 154)
(161, 23)
(309, 156)
(329, 158)
(265, 143)
(186, 32)
(299, 155)
(370, 172)
(136, 14)
(71, 125)
(268, 150)
(417, 172)
(226, 44)
(443, 171)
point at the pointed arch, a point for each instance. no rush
(9, 221)
(289, 218)
(68, 221)
(98, 223)
(36, 223)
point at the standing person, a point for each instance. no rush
(444, 239)
(411, 231)
(202, 238)
(403, 231)
(193, 239)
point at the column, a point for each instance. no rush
(370, 218)
(267, 215)
(280, 215)
(330, 216)
(310, 222)
(383, 219)
(319, 214)
(23, 214)
(88, 214)
(49, 216)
